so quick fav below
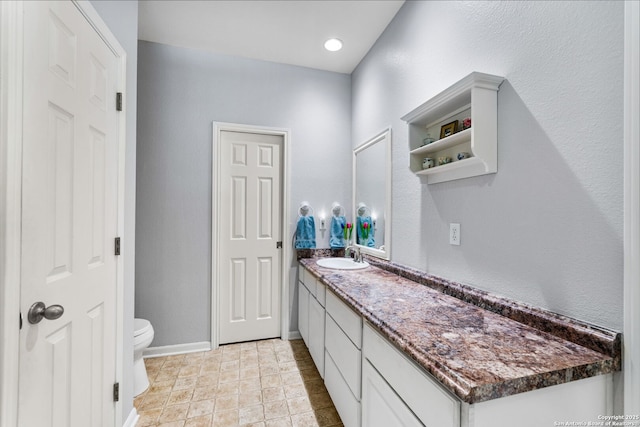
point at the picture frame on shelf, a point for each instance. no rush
(448, 129)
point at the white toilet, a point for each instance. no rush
(142, 337)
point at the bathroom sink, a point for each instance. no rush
(341, 263)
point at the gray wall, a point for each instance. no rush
(122, 19)
(180, 93)
(547, 228)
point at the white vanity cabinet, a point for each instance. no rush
(316, 327)
(311, 316)
(381, 406)
(303, 310)
(343, 359)
(391, 381)
(581, 401)
(372, 383)
(409, 390)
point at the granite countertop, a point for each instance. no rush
(472, 348)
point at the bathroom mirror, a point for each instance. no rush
(372, 195)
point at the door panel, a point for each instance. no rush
(98, 180)
(265, 208)
(266, 289)
(59, 192)
(238, 290)
(250, 263)
(69, 216)
(238, 214)
(57, 354)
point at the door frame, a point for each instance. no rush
(631, 334)
(218, 128)
(11, 116)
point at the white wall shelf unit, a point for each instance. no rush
(475, 96)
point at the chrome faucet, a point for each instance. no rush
(357, 255)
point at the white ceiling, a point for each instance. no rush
(289, 32)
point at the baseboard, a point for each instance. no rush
(294, 335)
(132, 419)
(170, 350)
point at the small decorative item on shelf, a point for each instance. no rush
(466, 123)
(428, 140)
(444, 160)
(428, 163)
(448, 129)
(463, 155)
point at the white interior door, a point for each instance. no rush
(69, 220)
(250, 214)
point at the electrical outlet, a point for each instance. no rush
(454, 234)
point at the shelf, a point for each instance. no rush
(444, 143)
(476, 97)
(464, 168)
(450, 166)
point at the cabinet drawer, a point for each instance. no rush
(321, 292)
(345, 402)
(431, 403)
(302, 273)
(309, 281)
(381, 406)
(306, 275)
(347, 358)
(303, 312)
(346, 318)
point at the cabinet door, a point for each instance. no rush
(346, 404)
(347, 319)
(316, 334)
(347, 357)
(303, 312)
(427, 399)
(381, 406)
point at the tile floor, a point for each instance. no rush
(263, 383)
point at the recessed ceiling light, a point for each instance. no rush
(333, 45)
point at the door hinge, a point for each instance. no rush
(117, 246)
(116, 392)
(20, 320)
(119, 101)
(278, 245)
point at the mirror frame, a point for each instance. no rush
(382, 137)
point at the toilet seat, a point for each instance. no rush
(140, 326)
